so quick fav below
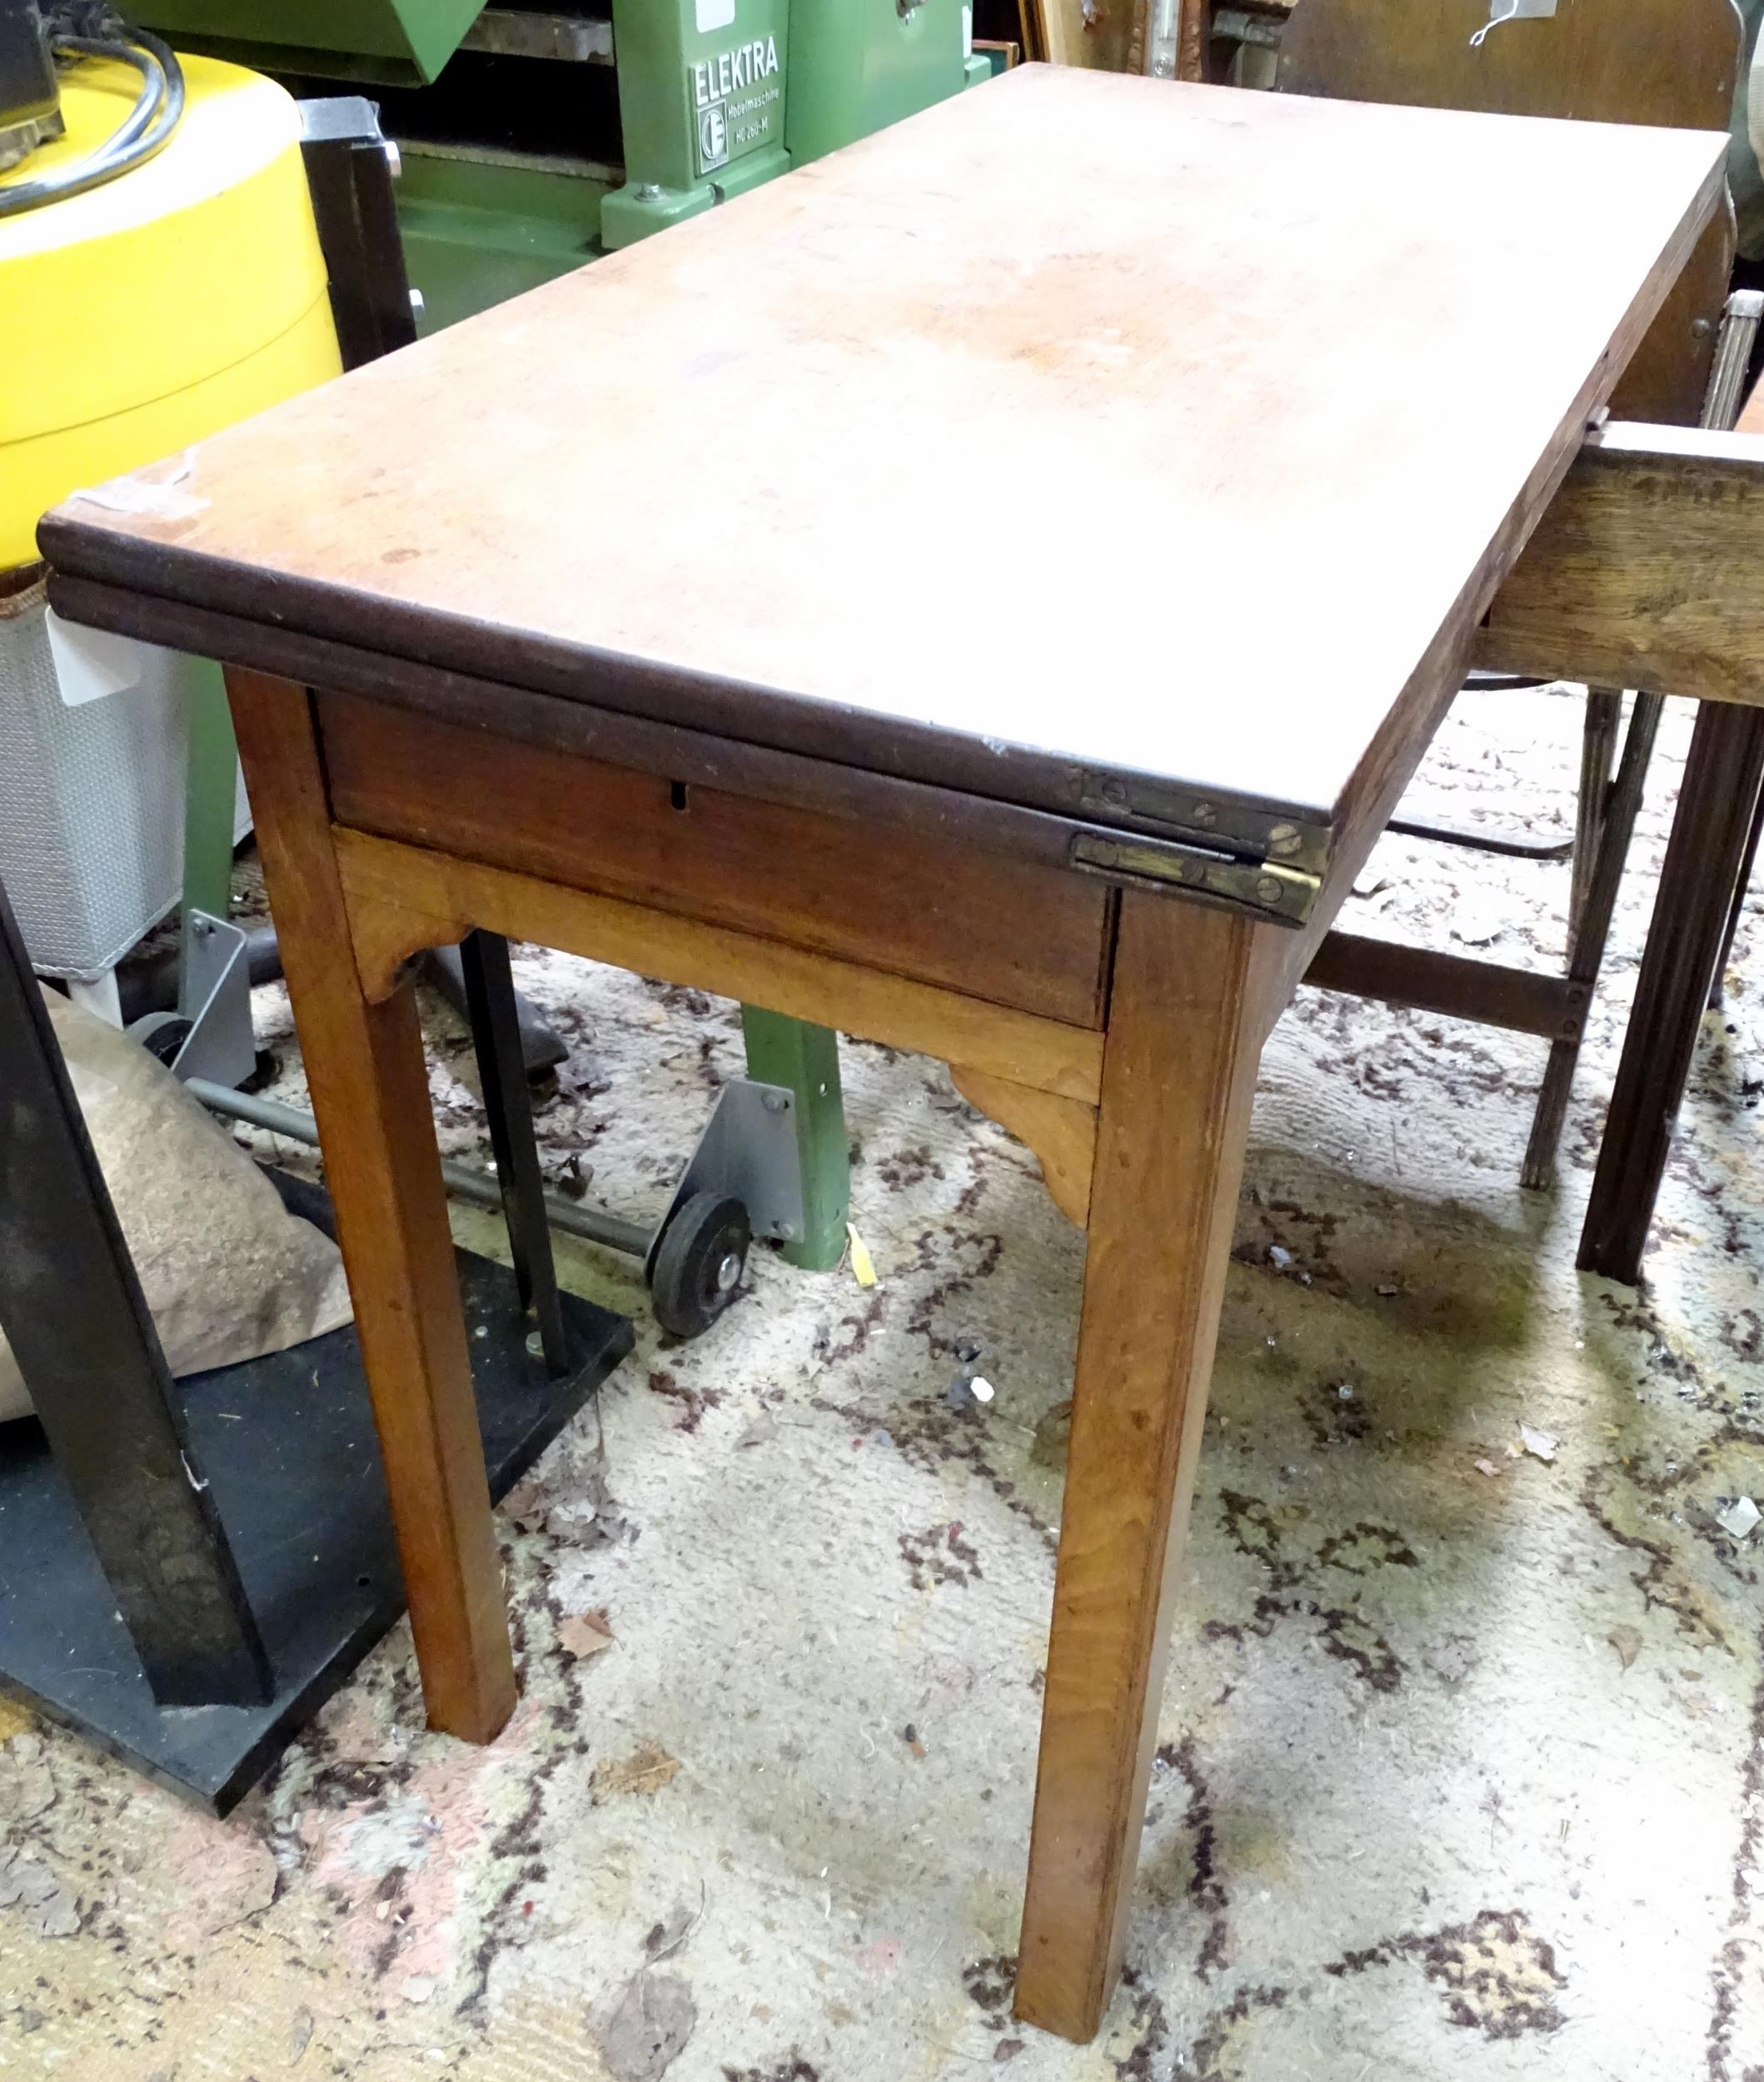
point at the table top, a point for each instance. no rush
(1082, 425)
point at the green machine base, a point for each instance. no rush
(640, 208)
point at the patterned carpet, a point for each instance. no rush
(1462, 1774)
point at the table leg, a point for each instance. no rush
(371, 1093)
(1184, 1036)
(1711, 829)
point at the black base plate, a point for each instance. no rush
(288, 1444)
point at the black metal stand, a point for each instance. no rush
(191, 1568)
(495, 1035)
(72, 1312)
(287, 1445)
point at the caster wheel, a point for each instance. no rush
(160, 1033)
(698, 1263)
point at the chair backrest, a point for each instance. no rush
(1665, 63)
(1669, 63)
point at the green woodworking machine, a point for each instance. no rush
(532, 140)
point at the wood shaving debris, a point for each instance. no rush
(862, 1265)
(527, 1503)
(1627, 1643)
(27, 1883)
(646, 1770)
(763, 1427)
(586, 1634)
(666, 1937)
(640, 2036)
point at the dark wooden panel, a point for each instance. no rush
(1013, 932)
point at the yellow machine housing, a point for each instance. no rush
(162, 306)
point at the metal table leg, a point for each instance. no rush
(806, 1060)
(495, 1035)
(73, 1310)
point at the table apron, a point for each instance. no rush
(401, 898)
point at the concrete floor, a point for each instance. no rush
(1462, 1769)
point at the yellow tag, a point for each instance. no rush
(861, 1265)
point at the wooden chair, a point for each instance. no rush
(1667, 63)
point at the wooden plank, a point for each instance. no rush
(364, 1064)
(1061, 1133)
(1492, 993)
(822, 415)
(401, 898)
(1645, 571)
(918, 904)
(1184, 1038)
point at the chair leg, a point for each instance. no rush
(1590, 926)
(1717, 804)
(1717, 990)
(1598, 740)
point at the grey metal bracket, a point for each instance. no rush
(749, 1150)
(214, 994)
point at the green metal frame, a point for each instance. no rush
(702, 109)
(478, 229)
(393, 41)
(781, 1051)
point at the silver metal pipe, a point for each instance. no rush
(594, 1225)
(1726, 390)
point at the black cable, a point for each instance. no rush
(142, 132)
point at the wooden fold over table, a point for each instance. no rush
(985, 592)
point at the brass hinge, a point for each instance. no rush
(1268, 888)
(1190, 819)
